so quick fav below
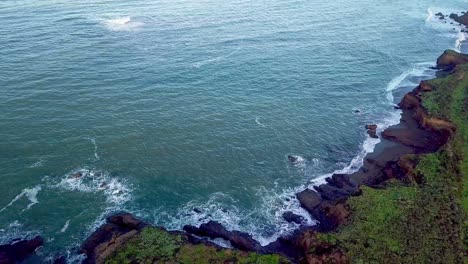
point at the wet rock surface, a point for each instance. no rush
(19, 250)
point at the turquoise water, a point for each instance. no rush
(167, 106)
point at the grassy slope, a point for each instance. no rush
(418, 223)
(154, 245)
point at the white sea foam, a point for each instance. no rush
(65, 227)
(257, 120)
(88, 180)
(417, 70)
(214, 59)
(430, 15)
(299, 161)
(29, 193)
(37, 164)
(96, 156)
(460, 40)
(446, 28)
(125, 23)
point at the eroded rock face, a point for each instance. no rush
(450, 59)
(20, 250)
(106, 239)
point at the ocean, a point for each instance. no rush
(185, 111)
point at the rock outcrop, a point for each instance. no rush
(450, 59)
(19, 250)
(212, 229)
(372, 131)
(293, 218)
(462, 19)
(107, 238)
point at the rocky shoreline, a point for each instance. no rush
(417, 133)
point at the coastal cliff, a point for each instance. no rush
(406, 204)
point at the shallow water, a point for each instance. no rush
(167, 106)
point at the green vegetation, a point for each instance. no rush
(154, 245)
(418, 223)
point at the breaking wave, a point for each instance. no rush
(95, 181)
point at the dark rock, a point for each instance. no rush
(371, 130)
(292, 217)
(197, 210)
(462, 19)
(293, 158)
(76, 175)
(372, 133)
(19, 250)
(309, 199)
(440, 15)
(212, 229)
(60, 260)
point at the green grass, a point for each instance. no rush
(154, 245)
(418, 223)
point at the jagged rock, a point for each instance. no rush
(19, 250)
(212, 229)
(372, 131)
(462, 19)
(293, 218)
(440, 15)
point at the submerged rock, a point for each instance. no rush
(293, 218)
(19, 250)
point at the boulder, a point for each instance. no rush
(19, 250)
(309, 199)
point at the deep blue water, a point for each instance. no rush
(167, 106)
